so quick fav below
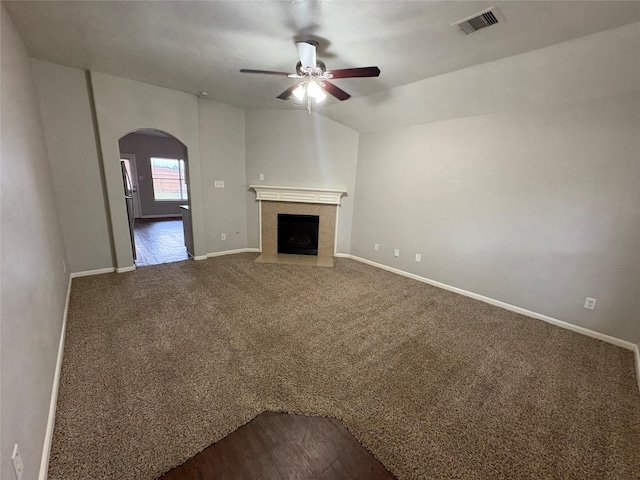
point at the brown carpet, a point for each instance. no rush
(161, 362)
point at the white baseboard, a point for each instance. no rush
(231, 252)
(636, 351)
(98, 271)
(342, 255)
(48, 436)
(130, 268)
(506, 306)
(177, 215)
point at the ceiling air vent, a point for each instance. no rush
(486, 18)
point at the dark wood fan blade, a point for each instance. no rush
(287, 93)
(335, 91)
(266, 72)
(355, 72)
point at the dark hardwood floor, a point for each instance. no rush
(159, 241)
(280, 446)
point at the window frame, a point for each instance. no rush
(182, 180)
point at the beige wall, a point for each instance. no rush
(123, 106)
(216, 130)
(536, 206)
(33, 282)
(68, 126)
(222, 149)
(293, 149)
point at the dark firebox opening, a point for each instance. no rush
(298, 234)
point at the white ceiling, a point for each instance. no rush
(194, 46)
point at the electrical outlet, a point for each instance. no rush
(375, 247)
(223, 236)
(418, 257)
(396, 252)
(64, 266)
(262, 176)
(218, 184)
(590, 303)
(18, 467)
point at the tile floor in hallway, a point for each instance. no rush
(159, 241)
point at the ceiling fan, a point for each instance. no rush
(314, 76)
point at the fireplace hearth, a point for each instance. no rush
(298, 234)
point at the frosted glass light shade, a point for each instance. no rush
(313, 89)
(299, 92)
(320, 95)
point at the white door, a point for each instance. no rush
(130, 163)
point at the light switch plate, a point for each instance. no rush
(218, 184)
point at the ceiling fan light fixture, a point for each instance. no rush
(299, 92)
(314, 78)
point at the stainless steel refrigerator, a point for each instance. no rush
(128, 197)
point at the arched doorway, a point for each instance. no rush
(154, 167)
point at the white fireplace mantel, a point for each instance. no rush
(298, 194)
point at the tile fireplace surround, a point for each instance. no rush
(297, 201)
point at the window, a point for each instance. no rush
(168, 178)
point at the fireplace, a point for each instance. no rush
(298, 234)
(316, 243)
(326, 231)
